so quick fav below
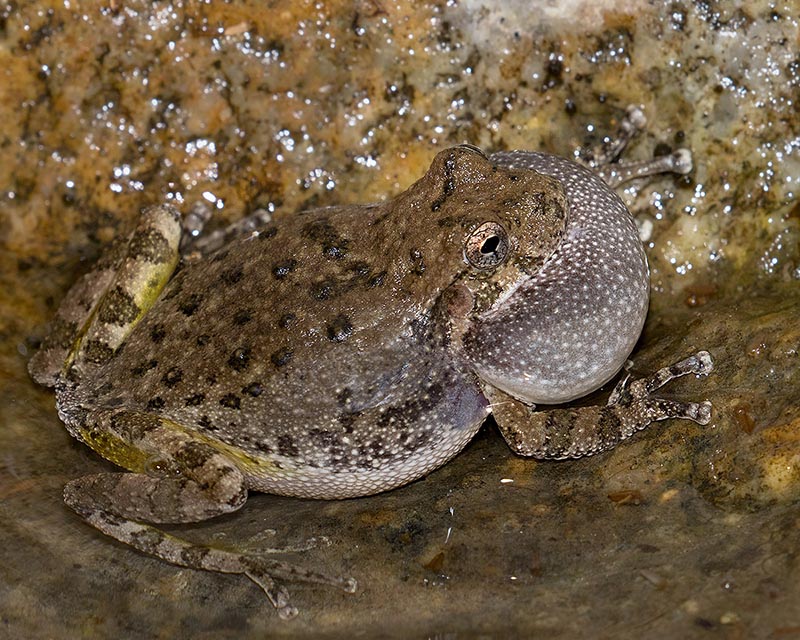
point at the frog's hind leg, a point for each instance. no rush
(102, 308)
(582, 431)
(187, 480)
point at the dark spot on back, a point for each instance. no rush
(287, 320)
(254, 389)
(172, 377)
(195, 400)
(157, 333)
(324, 438)
(335, 251)
(340, 329)
(287, 447)
(282, 356)
(417, 262)
(154, 404)
(205, 422)
(193, 455)
(242, 317)
(203, 339)
(231, 401)
(376, 280)
(323, 290)
(263, 447)
(347, 420)
(143, 367)
(97, 352)
(240, 359)
(190, 304)
(359, 270)
(284, 268)
(232, 276)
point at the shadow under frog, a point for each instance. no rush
(350, 350)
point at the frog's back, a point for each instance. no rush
(297, 348)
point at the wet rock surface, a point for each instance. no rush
(684, 531)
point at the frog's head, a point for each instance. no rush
(496, 225)
(556, 290)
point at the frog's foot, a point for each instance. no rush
(267, 573)
(195, 243)
(144, 496)
(636, 395)
(679, 162)
(581, 431)
(601, 159)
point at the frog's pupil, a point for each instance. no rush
(490, 245)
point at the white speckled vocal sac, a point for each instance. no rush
(349, 350)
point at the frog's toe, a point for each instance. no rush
(703, 413)
(350, 585)
(277, 593)
(287, 613)
(660, 409)
(705, 364)
(635, 399)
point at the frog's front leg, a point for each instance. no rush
(187, 480)
(601, 160)
(196, 243)
(582, 431)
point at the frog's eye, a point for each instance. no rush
(487, 246)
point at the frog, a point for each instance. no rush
(349, 350)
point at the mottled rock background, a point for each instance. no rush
(685, 531)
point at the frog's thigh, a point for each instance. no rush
(151, 256)
(102, 308)
(176, 477)
(73, 314)
(581, 431)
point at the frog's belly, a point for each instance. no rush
(384, 447)
(333, 430)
